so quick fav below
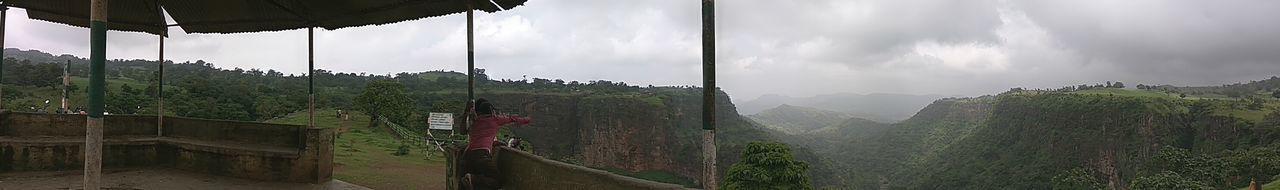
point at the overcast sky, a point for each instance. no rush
(788, 47)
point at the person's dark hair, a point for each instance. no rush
(483, 106)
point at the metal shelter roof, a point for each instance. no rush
(237, 16)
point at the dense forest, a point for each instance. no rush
(202, 90)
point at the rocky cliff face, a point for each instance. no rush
(655, 130)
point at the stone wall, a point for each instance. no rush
(254, 133)
(17, 124)
(273, 152)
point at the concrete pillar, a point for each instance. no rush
(97, 88)
(66, 83)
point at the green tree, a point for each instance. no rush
(1118, 84)
(767, 165)
(385, 98)
(1275, 94)
(448, 106)
(1076, 179)
(1166, 180)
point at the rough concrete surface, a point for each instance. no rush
(31, 142)
(154, 178)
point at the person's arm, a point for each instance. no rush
(504, 119)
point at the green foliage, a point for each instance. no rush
(1239, 166)
(1166, 180)
(1077, 179)
(1188, 166)
(1271, 119)
(767, 165)
(129, 101)
(385, 98)
(401, 150)
(27, 73)
(1275, 94)
(453, 106)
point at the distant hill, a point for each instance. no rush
(797, 119)
(37, 56)
(887, 108)
(1035, 139)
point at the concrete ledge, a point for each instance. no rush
(522, 170)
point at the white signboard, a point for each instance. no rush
(440, 121)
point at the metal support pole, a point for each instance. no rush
(311, 73)
(4, 10)
(97, 88)
(709, 95)
(471, 55)
(160, 89)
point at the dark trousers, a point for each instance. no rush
(484, 170)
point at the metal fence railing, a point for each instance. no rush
(411, 137)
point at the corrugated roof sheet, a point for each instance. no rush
(235, 16)
(124, 15)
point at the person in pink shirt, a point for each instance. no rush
(483, 132)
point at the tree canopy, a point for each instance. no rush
(767, 165)
(385, 98)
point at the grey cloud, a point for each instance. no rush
(860, 32)
(797, 48)
(1207, 40)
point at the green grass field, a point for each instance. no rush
(364, 156)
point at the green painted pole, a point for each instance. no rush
(97, 87)
(4, 11)
(160, 88)
(709, 95)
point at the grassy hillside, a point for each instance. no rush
(797, 119)
(365, 156)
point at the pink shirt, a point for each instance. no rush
(485, 130)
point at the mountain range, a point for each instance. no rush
(880, 107)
